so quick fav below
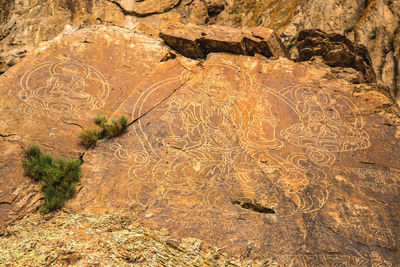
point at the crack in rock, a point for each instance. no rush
(253, 206)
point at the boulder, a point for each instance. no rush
(198, 41)
(336, 51)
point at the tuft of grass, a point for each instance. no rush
(116, 127)
(372, 34)
(291, 45)
(89, 137)
(100, 120)
(58, 178)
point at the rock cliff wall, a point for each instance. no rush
(375, 23)
(237, 153)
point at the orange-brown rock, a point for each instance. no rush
(260, 158)
(374, 24)
(267, 159)
(57, 91)
(198, 41)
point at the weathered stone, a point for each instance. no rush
(199, 41)
(272, 161)
(147, 7)
(214, 7)
(248, 154)
(59, 89)
(357, 19)
(336, 51)
(257, 156)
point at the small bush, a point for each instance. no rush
(100, 120)
(115, 128)
(35, 163)
(290, 45)
(89, 137)
(57, 178)
(397, 30)
(372, 34)
(123, 121)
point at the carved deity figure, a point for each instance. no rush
(69, 87)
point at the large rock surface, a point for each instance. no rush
(270, 160)
(57, 91)
(374, 24)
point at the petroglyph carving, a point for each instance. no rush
(66, 87)
(221, 126)
(323, 129)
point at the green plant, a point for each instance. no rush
(397, 30)
(115, 128)
(290, 45)
(100, 120)
(89, 137)
(372, 34)
(58, 178)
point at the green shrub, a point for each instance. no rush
(35, 163)
(100, 120)
(123, 121)
(290, 45)
(372, 34)
(89, 137)
(116, 127)
(57, 178)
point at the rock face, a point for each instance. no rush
(267, 159)
(374, 24)
(336, 51)
(53, 95)
(232, 144)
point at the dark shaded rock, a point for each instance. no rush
(214, 7)
(145, 8)
(336, 51)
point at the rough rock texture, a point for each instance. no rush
(259, 158)
(146, 8)
(111, 239)
(375, 23)
(57, 91)
(197, 42)
(268, 160)
(271, 161)
(336, 51)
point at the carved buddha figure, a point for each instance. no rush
(68, 82)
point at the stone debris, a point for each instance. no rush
(110, 239)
